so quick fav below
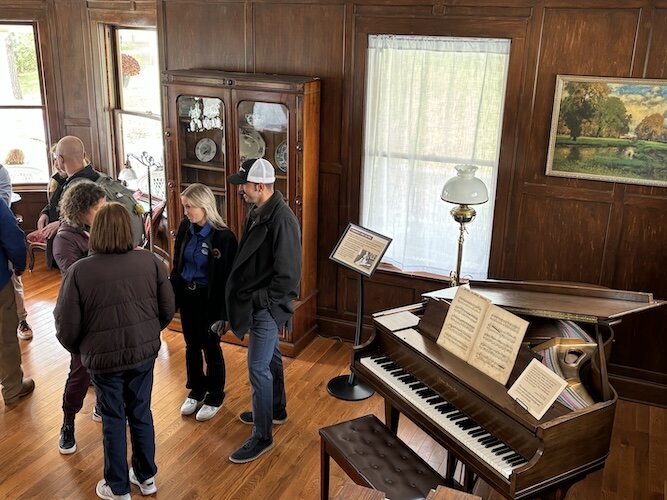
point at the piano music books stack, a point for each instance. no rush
(486, 336)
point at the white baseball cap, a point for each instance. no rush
(257, 170)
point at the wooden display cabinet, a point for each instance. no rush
(214, 120)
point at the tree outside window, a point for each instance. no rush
(23, 131)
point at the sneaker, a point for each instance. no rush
(24, 332)
(27, 386)
(252, 449)
(190, 406)
(67, 443)
(148, 487)
(246, 418)
(207, 412)
(96, 414)
(103, 490)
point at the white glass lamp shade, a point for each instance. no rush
(465, 188)
(127, 174)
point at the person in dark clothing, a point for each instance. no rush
(110, 310)
(12, 250)
(262, 285)
(203, 255)
(71, 164)
(78, 207)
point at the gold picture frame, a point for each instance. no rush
(609, 129)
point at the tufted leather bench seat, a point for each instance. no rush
(373, 456)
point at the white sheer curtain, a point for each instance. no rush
(431, 103)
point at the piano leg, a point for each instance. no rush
(451, 467)
(324, 471)
(469, 478)
(391, 416)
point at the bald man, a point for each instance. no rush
(70, 161)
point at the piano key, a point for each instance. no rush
(442, 414)
(492, 444)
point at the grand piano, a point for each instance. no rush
(486, 432)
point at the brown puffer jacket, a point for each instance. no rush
(111, 309)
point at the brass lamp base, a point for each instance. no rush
(461, 214)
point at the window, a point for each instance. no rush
(23, 130)
(431, 103)
(135, 103)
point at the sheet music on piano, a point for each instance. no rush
(398, 321)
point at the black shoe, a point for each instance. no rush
(246, 418)
(252, 449)
(67, 444)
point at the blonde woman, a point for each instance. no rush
(203, 255)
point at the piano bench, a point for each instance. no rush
(373, 456)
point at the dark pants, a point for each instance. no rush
(76, 388)
(198, 339)
(265, 368)
(120, 395)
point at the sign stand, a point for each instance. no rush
(360, 250)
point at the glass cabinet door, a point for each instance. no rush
(201, 145)
(263, 134)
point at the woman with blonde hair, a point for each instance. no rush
(111, 308)
(203, 256)
(78, 207)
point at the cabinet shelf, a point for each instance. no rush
(214, 166)
(221, 191)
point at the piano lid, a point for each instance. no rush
(583, 303)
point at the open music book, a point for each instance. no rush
(486, 336)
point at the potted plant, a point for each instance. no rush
(129, 67)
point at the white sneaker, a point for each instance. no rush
(24, 332)
(103, 490)
(148, 487)
(207, 412)
(190, 406)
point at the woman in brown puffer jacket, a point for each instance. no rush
(111, 308)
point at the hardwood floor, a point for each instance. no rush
(192, 457)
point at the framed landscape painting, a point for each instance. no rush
(609, 129)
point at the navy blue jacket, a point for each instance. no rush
(12, 245)
(222, 249)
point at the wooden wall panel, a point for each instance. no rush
(203, 35)
(75, 68)
(575, 42)
(326, 240)
(656, 63)
(565, 236)
(377, 295)
(321, 27)
(641, 262)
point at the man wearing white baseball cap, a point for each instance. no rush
(262, 284)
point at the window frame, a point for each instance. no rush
(513, 29)
(106, 54)
(44, 56)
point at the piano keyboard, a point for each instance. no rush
(481, 443)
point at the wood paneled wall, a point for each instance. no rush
(545, 228)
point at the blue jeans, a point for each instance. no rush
(265, 368)
(119, 395)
